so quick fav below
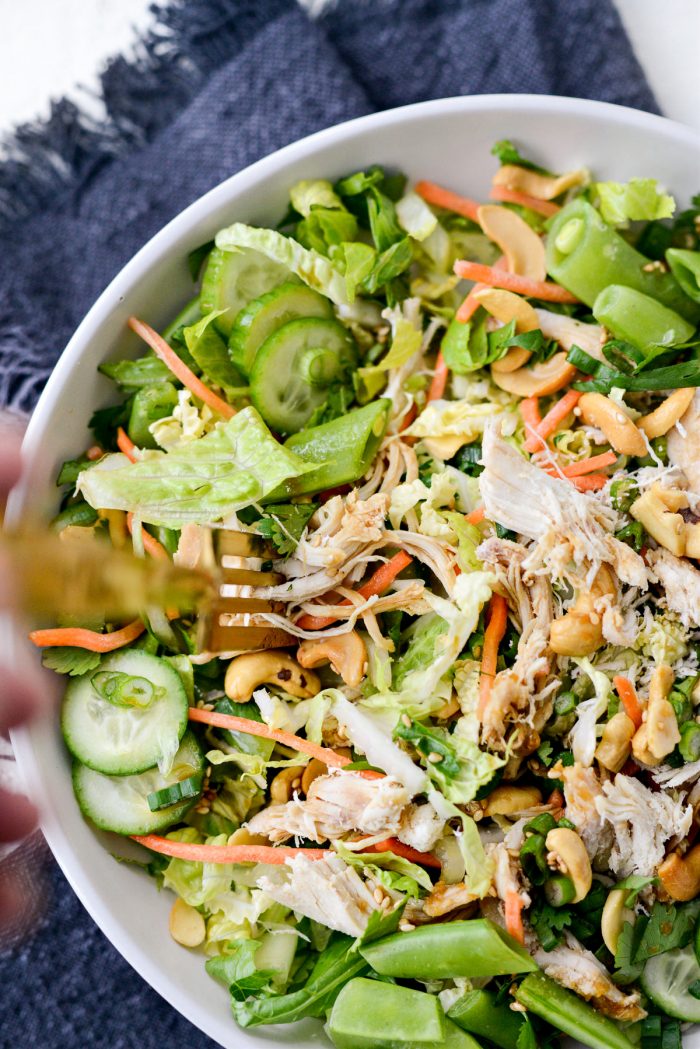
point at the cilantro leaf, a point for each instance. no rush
(549, 923)
(430, 741)
(237, 970)
(526, 1036)
(634, 884)
(507, 153)
(68, 474)
(502, 339)
(66, 659)
(104, 423)
(283, 524)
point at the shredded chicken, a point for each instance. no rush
(681, 582)
(328, 891)
(506, 875)
(569, 332)
(335, 805)
(342, 526)
(445, 898)
(572, 530)
(683, 443)
(582, 788)
(578, 969)
(420, 827)
(642, 822)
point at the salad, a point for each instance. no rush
(461, 809)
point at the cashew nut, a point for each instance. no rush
(580, 631)
(544, 187)
(444, 447)
(568, 855)
(692, 540)
(448, 709)
(509, 799)
(242, 836)
(346, 654)
(614, 916)
(521, 246)
(274, 667)
(660, 421)
(116, 525)
(313, 770)
(680, 875)
(282, 787)
(506, 307)
(616, 742)
(665, 526)
(661, 724)
(537, 380)
(186, 925)
(620, 431)
(515, 358)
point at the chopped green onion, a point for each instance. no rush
(565, 703)
(689, 745)
(559, 890)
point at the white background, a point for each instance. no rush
(51, 46)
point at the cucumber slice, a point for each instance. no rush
(294, 368)
(115, 735)
(183, 790)
(666, 979)
(120, 803)
(264, 315)
(232, 278)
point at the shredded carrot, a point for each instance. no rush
(514, 915)
(587, 466)
(375, 585)
(530, 411)
(493, 277)
(628, 697)
(126, 445)
(556, 798)
(94, 453)
(557, 413)
(471, 304)
(150, 543)
(495, 629)
(437, 386)
(426, 859)
(591, 482)
(78, 637)
(410, 416)
(187, 850)
(475, 517)
(445, 198)
(257, 728)
(514, 196)
(180, 369)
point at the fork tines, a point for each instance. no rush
(234, 622)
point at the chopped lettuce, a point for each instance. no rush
(454, 762)
(464, 418)
(478, 866)
(186, 424)
(210, 352)
(639, 199)
(406, 337)
(235, 465)
(367, 735)
(313, 268)
(415, 217)
(583, 737)
(420, 651)
(386, 862)
(313, 193)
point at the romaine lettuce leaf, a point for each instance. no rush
(210, 353)
(463, 769)
(415, 217)
(313, 193)
(639, 199)
(387, 861)
(235, 465)
(314, 269)
(406, 337)
(478, 866)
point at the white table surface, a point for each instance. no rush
(50, 46)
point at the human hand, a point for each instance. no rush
(23, 696)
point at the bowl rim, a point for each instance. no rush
(227, 191)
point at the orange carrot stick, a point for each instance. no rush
(375, 585)
(150, 543)
(187, 850)
(530, 412)
(471, 304)
(497, 278)
(514, 196)
(475, 517)
(257, 728)
(557, 413)
(78, 637)
(514, 915)
(126, 445)
(437, 386)
(587, 466)
(445, 198)
(493, 635)
(591, 482)
(180, 369)
(427, 859)
(628, 697)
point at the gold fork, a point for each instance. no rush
(51, 576)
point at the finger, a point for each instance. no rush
(21, 699)
(18, 817)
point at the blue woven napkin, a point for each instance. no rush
(216, 85)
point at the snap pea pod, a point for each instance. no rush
(344, 448)
(371, 1015)
(479, 1013)
(685, 267)
(568, 1013)
(439, 952)
(585, 255)
(639, 319)
(150, 404)
(80, 515)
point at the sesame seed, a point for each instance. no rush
(434, 757)
(406, 926)
(378, 895)
(405, 720)
(296, 783)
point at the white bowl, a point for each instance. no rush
(448, 141)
